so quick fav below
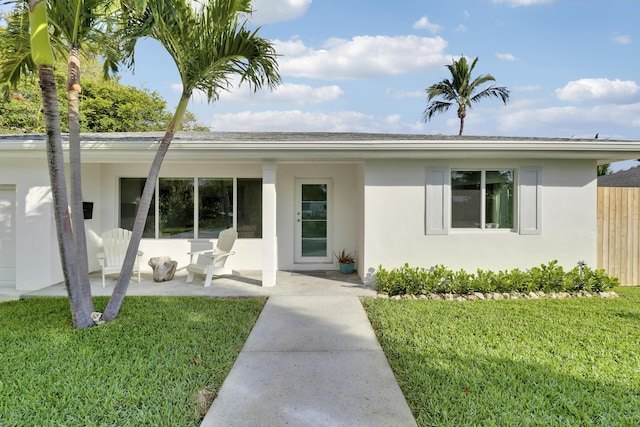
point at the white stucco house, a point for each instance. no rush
(296, 198)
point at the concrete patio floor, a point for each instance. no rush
(248, 283)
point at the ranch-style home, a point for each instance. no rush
(297, 198)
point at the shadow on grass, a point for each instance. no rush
(453, 390)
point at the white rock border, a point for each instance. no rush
(501, 296)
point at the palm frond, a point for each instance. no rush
(499, 92)
(443, 89)
(15, 48)
(434, 108)
(209, 44)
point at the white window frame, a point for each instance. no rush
(196, 198)
(527, 201)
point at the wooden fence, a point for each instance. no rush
(619, 233)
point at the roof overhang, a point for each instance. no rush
(228, 147)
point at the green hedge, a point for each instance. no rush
(439, 279)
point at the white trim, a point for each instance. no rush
(298, 256)
(437, 200)
(264, 146)
(269, 224)
(530, 193)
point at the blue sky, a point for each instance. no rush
(362, 66)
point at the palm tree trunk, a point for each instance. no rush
(461, 126)
(115, 302)
(80, 314)
(77, 212)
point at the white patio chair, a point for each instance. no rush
(212, 262)
(115, 243)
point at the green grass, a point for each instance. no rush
(547, 362)
(146, 368)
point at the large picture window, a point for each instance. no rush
(185, 210)
(482, 199)
(215, 206)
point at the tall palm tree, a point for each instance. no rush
(66, 26)
(77, 23)
(461, 91)
(209, 42)
(43, 57)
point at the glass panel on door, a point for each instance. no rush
(313, 216)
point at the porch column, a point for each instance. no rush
(269, 236)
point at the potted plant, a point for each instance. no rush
(346, 261)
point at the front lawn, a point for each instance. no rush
(546, 362)
(149, 367)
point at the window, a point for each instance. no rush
(187, 211)
(215, 206)
(249, 218)
(482, 199)
(175, 208)
(130, 192)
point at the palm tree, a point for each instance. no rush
(209, 43)
(461, 91)
(64, 26)
(75, 23)
(43, 57)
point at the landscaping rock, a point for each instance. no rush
(479, 295)
(533, 295)
(163, 268)
(472, 297)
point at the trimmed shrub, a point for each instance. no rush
(438, 279)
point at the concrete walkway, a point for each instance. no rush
(311, 361)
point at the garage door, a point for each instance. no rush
(7, 236)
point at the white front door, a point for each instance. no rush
(313, 221)
(7, 236)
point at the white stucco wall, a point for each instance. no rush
(346, 213)
(395, 219)
(37, 257)
(378, 212)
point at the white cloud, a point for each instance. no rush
(424, 24)
(401, 94)
(530, 88)
(571, 121)
(362, 56)
(286, 93)
(517, 3)
(303, 121)
(270, 11)
(601, 90)
(622, 39)
(461, 28)
(506, 56)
